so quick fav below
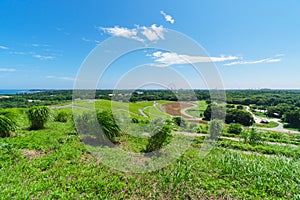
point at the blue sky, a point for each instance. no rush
(255, 44)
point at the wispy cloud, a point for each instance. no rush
(85, 39)
(62, 30)
(65, 78)
(22, 53)
(7, 70)
(41, 57)
(167, 58)
(141, 34)
(167, 17)
(90, 40)
(40, 45)
(154, 32)
(3, 47)
(122, 32)
(274, 59)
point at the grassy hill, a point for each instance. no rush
(53, 163)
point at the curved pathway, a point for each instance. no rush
(183, 111)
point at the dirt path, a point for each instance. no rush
(183, 111)
(141, 111)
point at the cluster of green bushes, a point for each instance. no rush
(231, 115)
(37, 116)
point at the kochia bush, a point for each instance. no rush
(38, 116)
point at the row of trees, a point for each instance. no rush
(231, 115)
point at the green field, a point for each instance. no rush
(53, 163)
(196, 112)
(268, 125)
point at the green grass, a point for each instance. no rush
(260, 114)
(288, 151)
(268, 125)
(62, 168)
(198, 110)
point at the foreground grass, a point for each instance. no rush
(54, 164)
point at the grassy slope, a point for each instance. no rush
(64, 169)
(196, 111)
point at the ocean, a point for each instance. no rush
(3, 92)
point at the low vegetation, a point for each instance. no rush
(38, 116)
(52, 159)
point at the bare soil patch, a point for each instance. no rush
(31, 154)
(175, 108)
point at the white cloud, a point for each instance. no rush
(86, 40)
(167, 59)
(44, 57)
(122, 32)
(167, 17)
(275, 59)
(3, 47)
(40, 45)
(154, 32)
(22, 53)
(7, 70)
(66, 78)
(60, 78)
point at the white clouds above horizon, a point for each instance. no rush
(121, 32)
(41, 57)
(7, 70)
(64, 78)
(3, 47)
(165, 59)
(167, 17)
(274, 59)
(152, 33)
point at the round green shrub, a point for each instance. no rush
(38, 116)
(61, 116)
(235, 128)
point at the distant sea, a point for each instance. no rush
(3, 92)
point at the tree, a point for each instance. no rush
(292, 117)
(215, 128)
(239, 116)
(215, 111)
(38, 116)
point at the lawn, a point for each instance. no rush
(196, 112)
(271, 124)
